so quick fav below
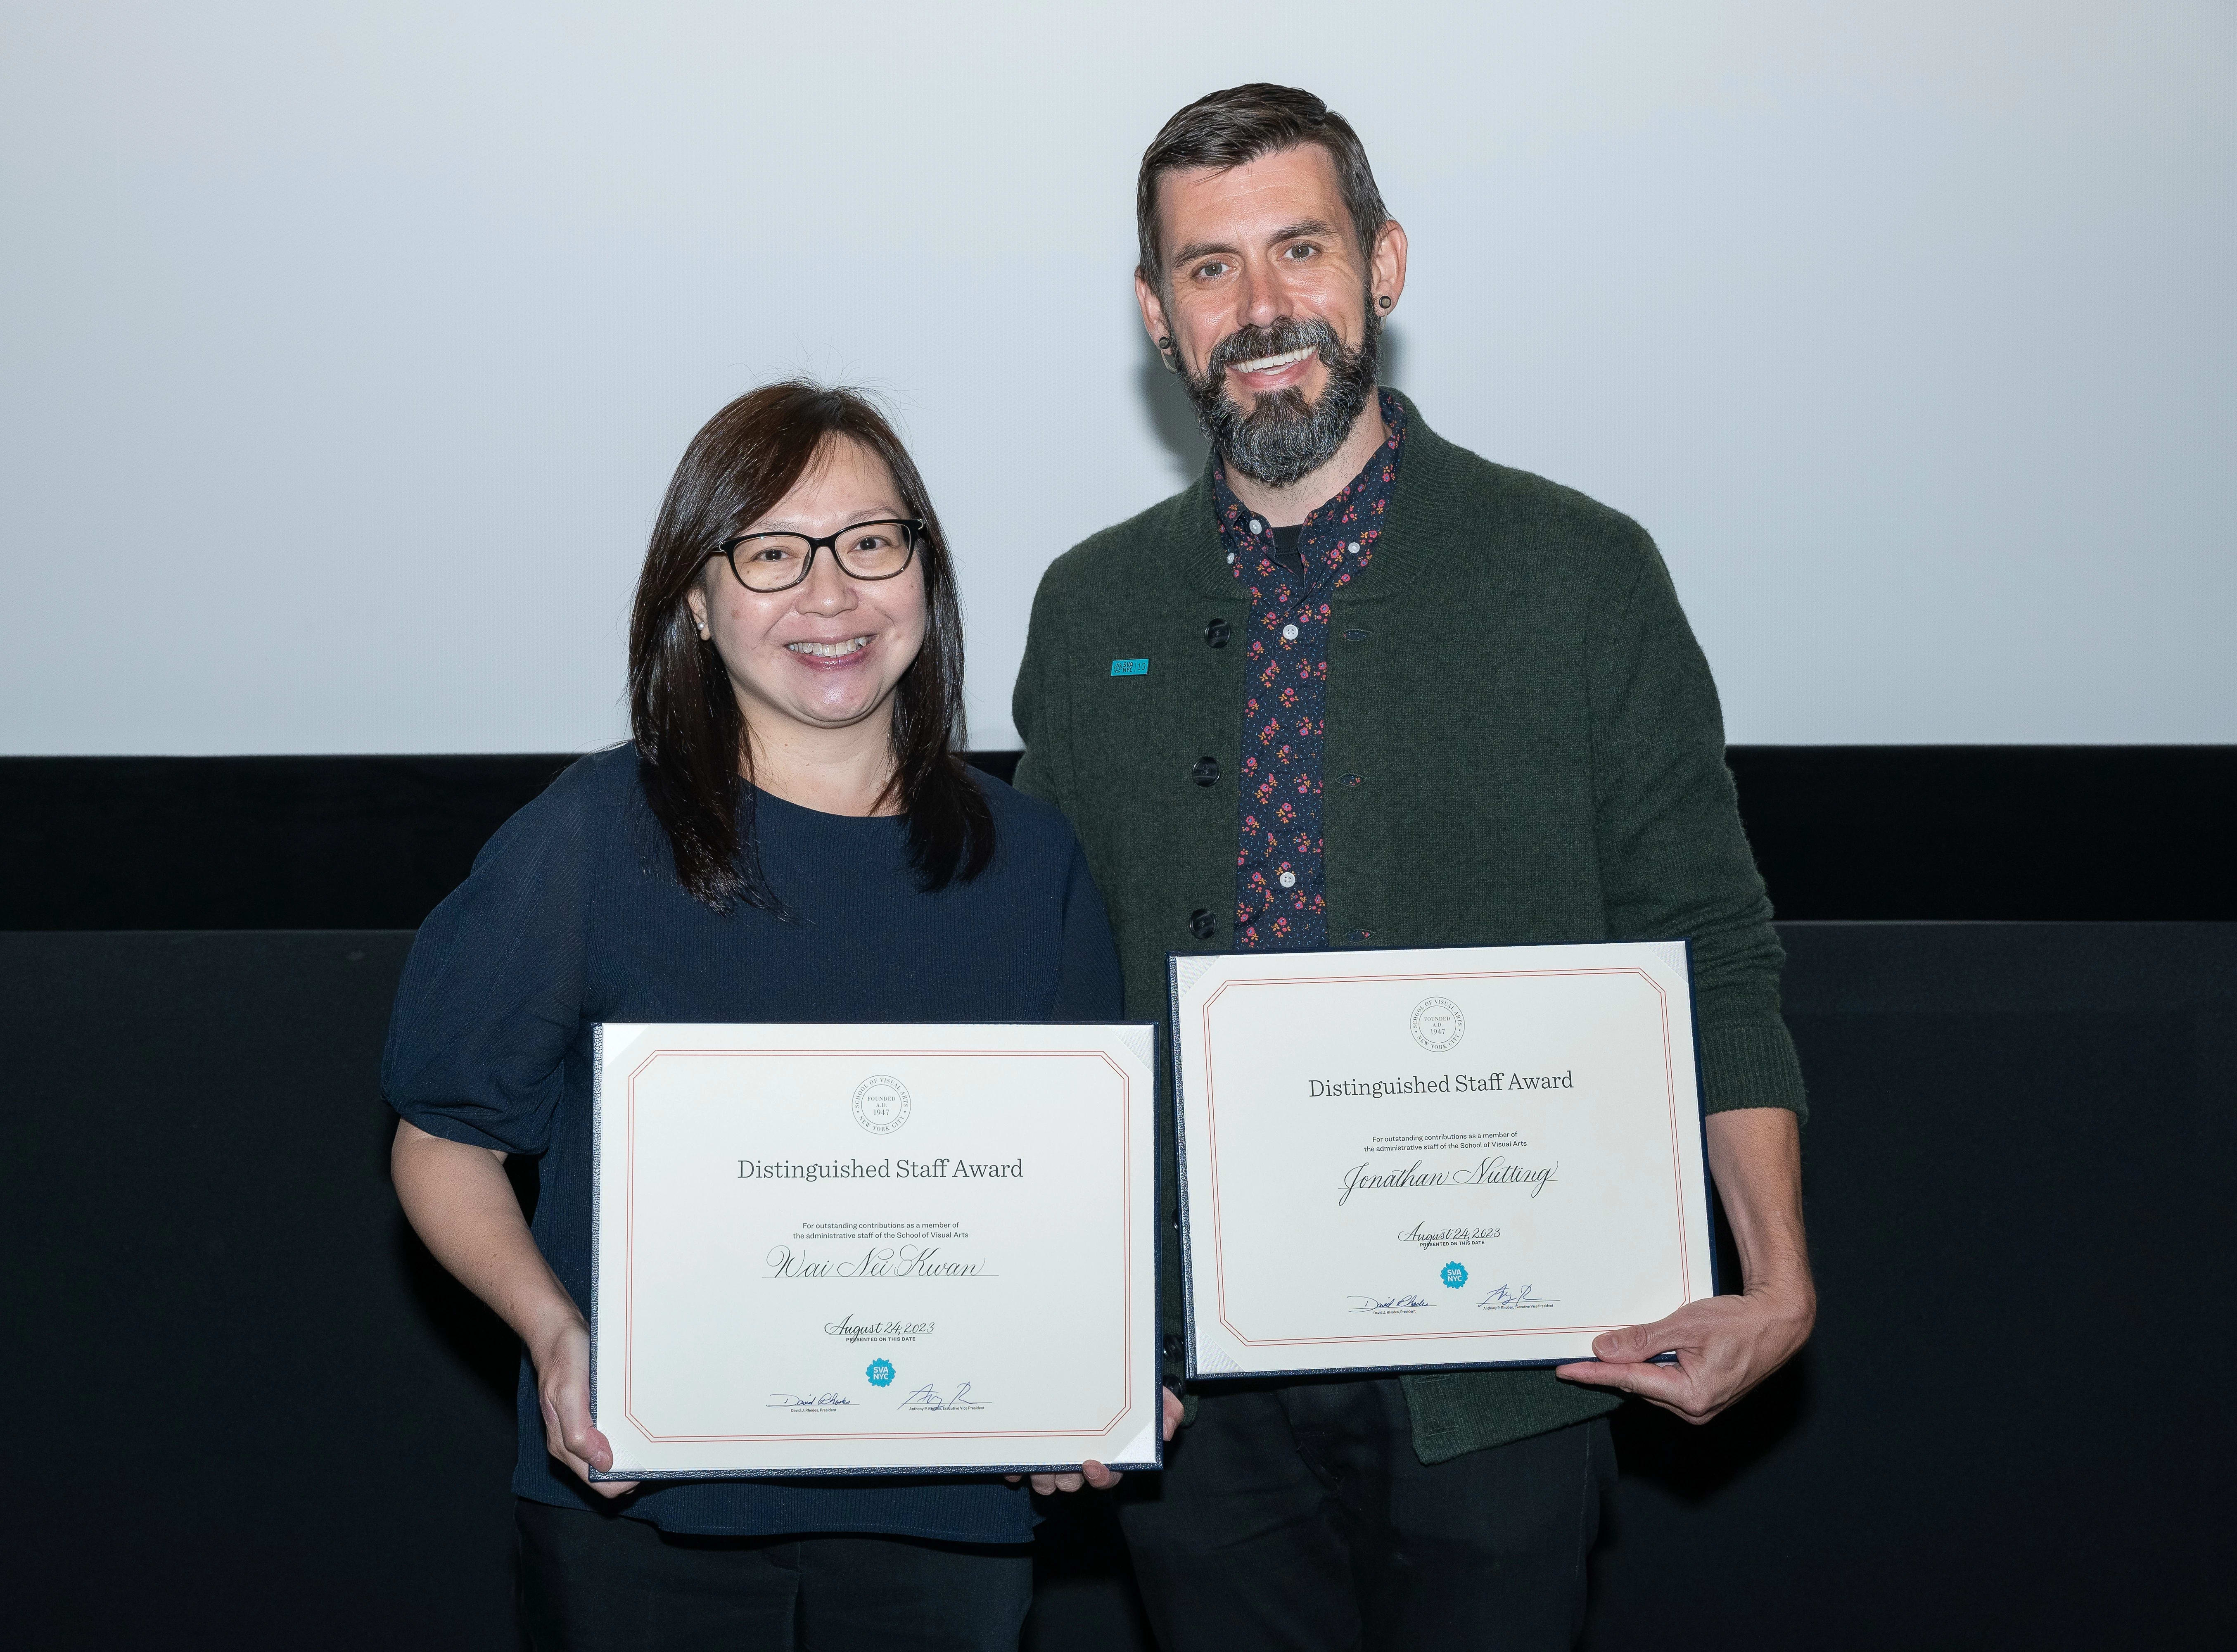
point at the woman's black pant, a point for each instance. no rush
(602, 1583)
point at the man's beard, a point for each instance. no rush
(1284, 439)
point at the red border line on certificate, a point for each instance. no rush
(1211, 1135)
(1126, 1257)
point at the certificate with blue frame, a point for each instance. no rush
(862, 1249)
(1426, 1158)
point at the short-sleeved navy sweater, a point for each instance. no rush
(573, 916)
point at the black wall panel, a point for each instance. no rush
(250, 1411)
(2046, 833)
(2019, 1171)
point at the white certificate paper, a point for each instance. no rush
(1427, 1158)
(873, 1249)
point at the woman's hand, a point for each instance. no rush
(562, 1389)
(1094, 1474)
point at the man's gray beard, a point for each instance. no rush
(1284, 439)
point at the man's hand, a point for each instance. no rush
(563, 1388)
(1725, 1345)
(1094, 1474)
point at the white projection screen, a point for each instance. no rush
(345, 349)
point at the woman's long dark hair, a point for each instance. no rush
(691, 741)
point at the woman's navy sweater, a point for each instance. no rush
(573, 916)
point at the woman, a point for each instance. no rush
(790, 838)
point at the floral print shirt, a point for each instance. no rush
(1281, 899)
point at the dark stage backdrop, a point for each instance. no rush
(2102, 833)
(250, 1412)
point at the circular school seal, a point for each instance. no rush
(1454, 1275)
(1438, 1023)
(880, 1373)
(881, 1105)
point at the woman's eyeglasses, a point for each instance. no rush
(767, 562)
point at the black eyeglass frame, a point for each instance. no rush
(913, 531)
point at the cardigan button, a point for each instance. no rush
(1173, 1350)
(1206, 771)
(1201, 923)
(1216, 633)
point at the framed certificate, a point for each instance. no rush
(1413, 1160)
(873, 1249)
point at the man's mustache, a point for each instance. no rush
(1249, 343)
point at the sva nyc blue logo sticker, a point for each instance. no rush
(880, 1373)
(1130, 668)
(1454, 1275)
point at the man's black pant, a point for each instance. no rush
(593, 1583)
(1295, 1516)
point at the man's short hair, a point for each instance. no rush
(1236, 127)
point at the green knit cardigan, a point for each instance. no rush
(1523, 745)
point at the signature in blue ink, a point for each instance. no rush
(928, 1399)
(1385, 1304)
(1501, 1296)
(824, 1402)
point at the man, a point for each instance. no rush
(1395, 695)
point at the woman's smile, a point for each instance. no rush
(826, 656)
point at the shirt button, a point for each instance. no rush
(1288, 633)
(1230, 558)
(1257, 526)
(1289, 879)
(1206, 771)
(1353, 548)
(1202, 923)
(1216, 632)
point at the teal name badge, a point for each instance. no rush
(1130, 668)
